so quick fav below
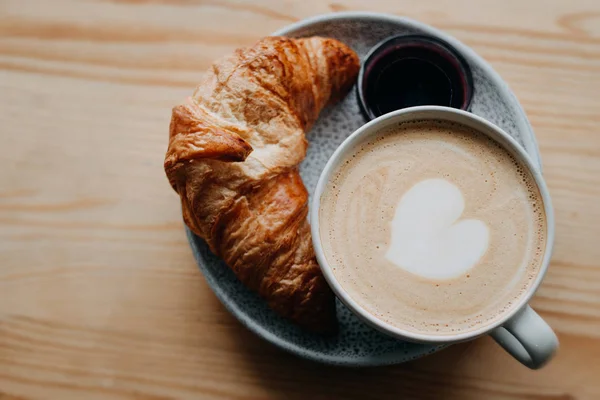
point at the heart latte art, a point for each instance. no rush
(432, 227)
(427, 237)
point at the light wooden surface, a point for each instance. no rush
(99, 295)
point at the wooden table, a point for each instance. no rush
(99, 294)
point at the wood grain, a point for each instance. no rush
(99, 295)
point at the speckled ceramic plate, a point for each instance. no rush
(356, 344)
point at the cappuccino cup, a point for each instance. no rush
(434, 226)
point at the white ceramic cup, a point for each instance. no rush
(520, 331)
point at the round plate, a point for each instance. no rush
(356, 344)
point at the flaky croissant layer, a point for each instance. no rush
(233, 155)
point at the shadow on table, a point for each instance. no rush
(441, 375)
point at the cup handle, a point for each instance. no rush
(528, 338)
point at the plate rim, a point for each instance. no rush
(389, 358)
(522, 126)
(309, 354)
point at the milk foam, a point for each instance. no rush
(433, 228)
(426, 237)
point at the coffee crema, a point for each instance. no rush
(433, 227)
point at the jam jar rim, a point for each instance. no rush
(453, 55)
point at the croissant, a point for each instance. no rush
(233, 155)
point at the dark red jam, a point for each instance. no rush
(413, 70)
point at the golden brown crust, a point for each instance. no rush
(233, 154)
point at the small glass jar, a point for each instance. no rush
(413, 70)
